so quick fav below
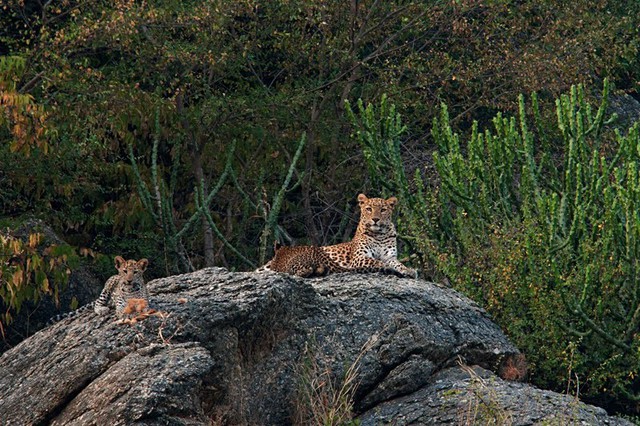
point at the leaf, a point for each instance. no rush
(45, 285)
(17, 278)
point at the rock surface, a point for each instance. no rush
(474, 396)
(627, 108)
(245, 348)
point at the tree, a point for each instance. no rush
(262, 73)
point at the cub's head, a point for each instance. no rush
(375, 213)
(129, 270)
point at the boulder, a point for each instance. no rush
(271, 349)
(464, 395)
(627, 108)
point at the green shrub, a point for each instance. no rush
(29, 269)
(542, 226)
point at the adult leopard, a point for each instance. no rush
(374, 244)
(311, 261)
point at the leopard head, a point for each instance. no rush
(130, 270)
(375, 214)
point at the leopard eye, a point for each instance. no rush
(369, 209)
(383, 210)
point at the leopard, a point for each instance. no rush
(118, 290)
(310, 261)
(127, 284)
(303, 261)
(374, 244)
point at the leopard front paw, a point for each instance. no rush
(410, 272)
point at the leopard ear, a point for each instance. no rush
(362, 199)
(142, 264)
(392, 201)
(276, 245)
(119, 261)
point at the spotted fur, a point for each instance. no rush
(374, 244)
(310, 261)
(303, 261)
(127, 284)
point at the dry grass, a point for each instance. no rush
(514, 368)
(138, 310)
(322, 397)
(483, 406)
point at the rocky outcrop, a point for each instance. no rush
(627, 108)
(474, 396)
(247, 348)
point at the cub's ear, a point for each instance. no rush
(276, 245)
(392, 201)
(362, 199)
(119, 261)
(142, 264)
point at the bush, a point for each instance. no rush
(542, 226)
(31, 269)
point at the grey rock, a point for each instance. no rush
(156, 382)
(472, 395)
(627, 108)
(247, 348)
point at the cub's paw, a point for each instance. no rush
(304, 272)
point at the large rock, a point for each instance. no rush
(474, 396)
(627, 109)
(246, 348)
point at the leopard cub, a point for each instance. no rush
(118, 290)
(303, 261)
(127, 284)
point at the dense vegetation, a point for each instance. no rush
(195, 133)
(548, 243)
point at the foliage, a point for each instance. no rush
(19, 114)
(321, 397)
(261, 73)
(548, 243)
(378, 130)
(119, 118)
(29, 270)
(157, 198)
